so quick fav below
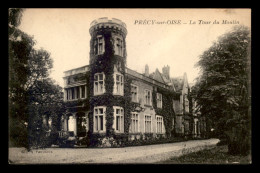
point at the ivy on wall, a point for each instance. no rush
(79, 104)
(105, 63)
(129, 105)
(167, 108)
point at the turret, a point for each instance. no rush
(107, 75)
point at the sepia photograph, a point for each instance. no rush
(129, 86)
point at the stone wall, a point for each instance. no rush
(149, 110)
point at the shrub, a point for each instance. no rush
(95, 140)
(82, 141)
(66, 141)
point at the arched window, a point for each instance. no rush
(71, 123)
(49, 122)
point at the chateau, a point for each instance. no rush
(107, 98)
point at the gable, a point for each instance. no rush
(157, 76)
(178, 83)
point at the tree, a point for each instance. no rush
(31, 92)
(222, 90)
(46, 99)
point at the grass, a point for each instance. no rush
(216, 155)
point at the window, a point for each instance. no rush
(119, 47)
(118, 119)
(72, 93)
(100, 46)
(119, 84)
(99, 84)
(186, 103)
(148, 97)
(148, 123)
(159, 100)
(83, 91)
(77, 93)
(134, 123)
(134, 89)
(69, 91)
(99, 119)
(118, 66)
(67, 94)
(159, 124)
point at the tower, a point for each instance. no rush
(107, 76)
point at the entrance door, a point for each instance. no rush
(81, 124)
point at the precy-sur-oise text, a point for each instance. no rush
(189, 22)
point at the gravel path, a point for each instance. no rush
(132, 155)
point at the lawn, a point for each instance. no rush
(216, 155)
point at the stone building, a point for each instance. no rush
(105, 97)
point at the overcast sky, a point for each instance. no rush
(64, 33)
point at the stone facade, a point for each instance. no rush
(80, 115)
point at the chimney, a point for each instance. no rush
(166, 71)
(146, 73)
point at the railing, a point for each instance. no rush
(76, 70)
(61, 133)
(66, 133)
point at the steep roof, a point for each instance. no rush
(158, 76)
(178, 83)
(149, 78)
(166, 80)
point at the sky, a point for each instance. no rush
(156, 37)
